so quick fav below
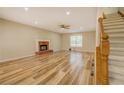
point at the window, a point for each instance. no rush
(76, 41)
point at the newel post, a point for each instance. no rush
(104, 58)
(102, 55)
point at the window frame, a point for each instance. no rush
(76, 43)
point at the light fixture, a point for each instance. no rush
(26, 8)
(67, 13)
(81, 27)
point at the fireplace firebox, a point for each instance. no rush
(43, 47)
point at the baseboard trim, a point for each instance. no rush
(92, 51)
(11, 59)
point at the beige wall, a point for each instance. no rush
(121, 9)
(88, 41)
(18, 40)
(100, 11)
(110, 10)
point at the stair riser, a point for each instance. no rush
(117, 76)
(116, 69)
(114, 27)
(118, 53)
(117, 59)
(113, 24)
(112, 15)
(114, 31)
(113, 21)
(116, 63)
(115, 82)
(116, 38)
(117, 45)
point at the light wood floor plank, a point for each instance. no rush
(62, 68)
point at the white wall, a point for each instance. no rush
(18, 40)
(88, 43)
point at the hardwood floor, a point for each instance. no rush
(62, 68)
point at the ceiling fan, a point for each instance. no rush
(63, 26)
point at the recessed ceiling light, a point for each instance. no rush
(35, 22)
(81, 28)
(67, 13)
(26, 8)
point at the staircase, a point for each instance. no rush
(114, 27)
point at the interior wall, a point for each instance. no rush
(121, 9)
(88, 43)
(110, 10)
(100, 11)
(18, 40)
(99, 14)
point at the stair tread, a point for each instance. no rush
(116, 63)
(116, 52)
(113, 21)
(113, 24)
(118, 48)
(115, 57)
(113, 14)
(117, 76)
(116, 35)
(113, 18)
(116, 81)
(114, 27)
(116, 69)
(121, 42)
(114, 30)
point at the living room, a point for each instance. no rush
(30, 32)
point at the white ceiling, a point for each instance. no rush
(81, 19)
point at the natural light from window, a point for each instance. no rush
(76, 41)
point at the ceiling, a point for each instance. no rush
(49, 18)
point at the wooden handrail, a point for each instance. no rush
(100, 20)
(102, 53)
(120, 13)
(104, 17)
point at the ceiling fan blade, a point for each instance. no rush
(65, 26)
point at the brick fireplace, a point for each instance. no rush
(43, 47)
